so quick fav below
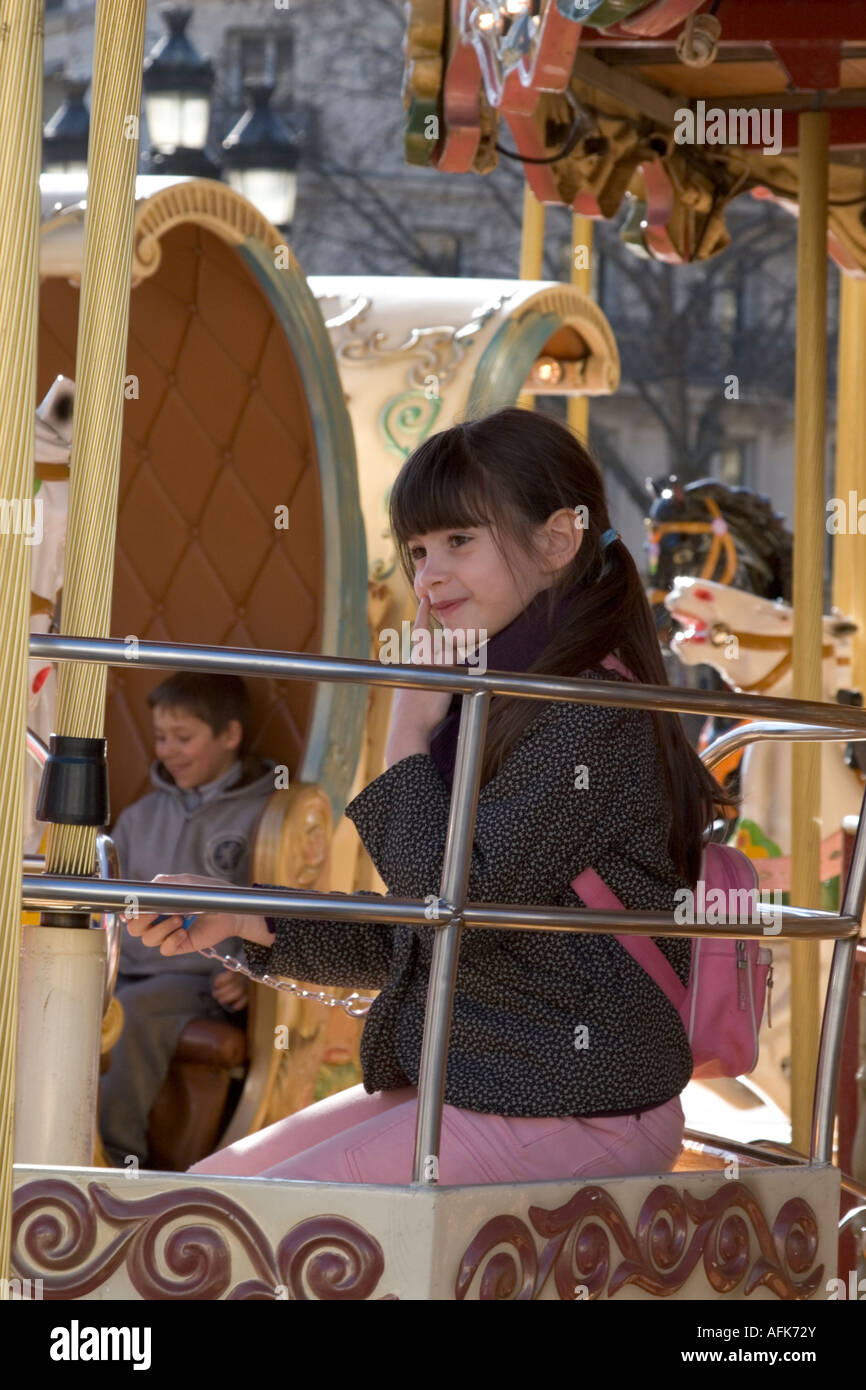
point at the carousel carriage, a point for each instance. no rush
(732, 1221)
(201, 542)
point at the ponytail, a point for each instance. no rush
(511, 471)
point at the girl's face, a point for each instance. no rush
(471, 581)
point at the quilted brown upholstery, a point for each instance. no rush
(219, 436)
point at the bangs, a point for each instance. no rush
(440, 487)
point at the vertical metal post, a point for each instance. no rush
(446, 947)
(531, 255)
(21, 62)
(849, 552)
(809, 536)
(581, 276)
(830, 1051)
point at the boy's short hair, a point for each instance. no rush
(214, 699)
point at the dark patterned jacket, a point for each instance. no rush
(517, 1045)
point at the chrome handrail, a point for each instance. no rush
(823, 717)
(108, 866)
(757, 732)
(78, 892)
(186, 656)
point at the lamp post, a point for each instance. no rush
(260, 156)
(64, 138)
(177, 86)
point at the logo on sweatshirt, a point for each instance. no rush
(224, 853)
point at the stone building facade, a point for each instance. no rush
(337, 69)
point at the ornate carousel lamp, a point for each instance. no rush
(64, 139)
(261, 157)
(177, 86)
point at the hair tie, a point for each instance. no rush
(609, 536)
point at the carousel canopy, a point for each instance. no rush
(681, 105)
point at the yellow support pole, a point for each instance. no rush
(103, 322)
(20, 160)
(809, 532)
(531, 254)
(63, 964)
(849, 551)
(581, 276)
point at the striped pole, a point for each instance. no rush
(20, 160)
(809, 534)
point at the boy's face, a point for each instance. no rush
(190, 750)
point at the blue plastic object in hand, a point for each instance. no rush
(186, 923)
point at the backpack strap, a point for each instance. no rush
(595, 893)
(613, 663)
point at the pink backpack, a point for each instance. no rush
(723, 1004)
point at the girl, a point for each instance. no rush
(565, 1059)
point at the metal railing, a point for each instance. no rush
(806, 718)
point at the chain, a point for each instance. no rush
(356, 1005)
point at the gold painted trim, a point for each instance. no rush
(208, 203)
(581, 313)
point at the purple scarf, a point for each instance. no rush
(514, 649)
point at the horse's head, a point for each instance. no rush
(712, 531)
(748, 640)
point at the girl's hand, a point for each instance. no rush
(208, 929)
(415, 713)
(230, 990)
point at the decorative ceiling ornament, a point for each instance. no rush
(686, 200)
(698, 44)
(521, 55)
(657, 18)
(472, 62)
(468, 135)
(685, 210)
(423, 47)
(601, 14)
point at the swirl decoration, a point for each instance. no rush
(505, 1270)
(332, 1257)
(659, 1256)
(440, 347)
(178, 1245)
(406, 420)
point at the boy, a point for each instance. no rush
(199, 819)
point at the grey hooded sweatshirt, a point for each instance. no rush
(208, 830)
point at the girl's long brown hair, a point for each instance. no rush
(510, 471)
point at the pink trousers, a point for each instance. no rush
(355, 1137)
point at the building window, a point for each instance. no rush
(735, 463)
(261, 56)
(727, 310)
(437, 253)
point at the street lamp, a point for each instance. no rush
(177, 85)
(261, 156)
(64, 139)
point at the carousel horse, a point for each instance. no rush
(51, 497)
(712, 531)
(748, 640)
